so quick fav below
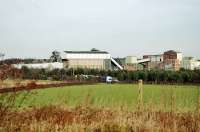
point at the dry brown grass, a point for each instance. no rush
(58, 118)
(18, 82)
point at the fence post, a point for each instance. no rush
(140, 94)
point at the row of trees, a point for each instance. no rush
(153, 76)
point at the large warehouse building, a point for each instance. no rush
(93, 59)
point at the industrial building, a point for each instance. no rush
(172, 60)
(190, 63)
(155, 61)
(102, 60)
(93, 59)
(169, 60)
(132, 63)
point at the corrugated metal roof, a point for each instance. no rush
(87, 52)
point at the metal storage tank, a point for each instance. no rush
(131, 60)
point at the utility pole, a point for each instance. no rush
(140, 95)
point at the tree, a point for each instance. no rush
(143, 75)
(55, 57)
(94, 49)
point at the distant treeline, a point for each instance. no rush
(152, 76)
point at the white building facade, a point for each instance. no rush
(190, 63)
(49, 66)
(87, 59)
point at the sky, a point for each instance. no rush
(34, 28)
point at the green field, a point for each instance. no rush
(116, 95)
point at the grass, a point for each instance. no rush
(82, 108)
(116, 95)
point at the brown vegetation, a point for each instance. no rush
(57, 118)
(20, 85)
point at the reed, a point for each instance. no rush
(59, 118)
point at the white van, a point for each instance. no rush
(109, 79)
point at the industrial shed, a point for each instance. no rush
(93, 59)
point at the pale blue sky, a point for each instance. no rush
(33, 28)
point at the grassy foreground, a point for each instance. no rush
(117, 95)
(102, 108)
